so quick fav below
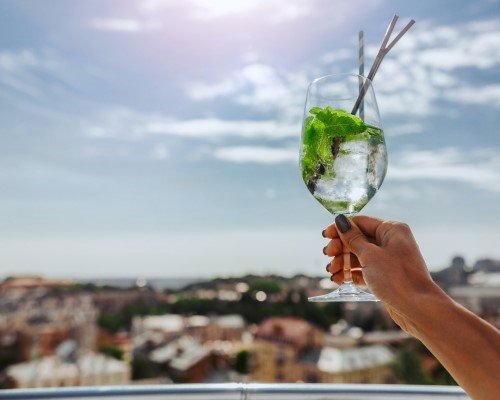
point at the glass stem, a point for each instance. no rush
(347, 268)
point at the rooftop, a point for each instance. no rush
(290, 328)
(181, 353)
(334, 360)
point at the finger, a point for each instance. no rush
(352, 237)
(333, 248)
(337, 264)
(330, 232)
(367, 225)
(357, 277)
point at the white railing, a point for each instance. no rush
(242, 391)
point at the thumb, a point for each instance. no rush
(351, 235)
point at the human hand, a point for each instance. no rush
(386, 258)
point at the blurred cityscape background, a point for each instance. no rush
(242, 329)
(154, 227)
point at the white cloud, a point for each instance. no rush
(126, 124)
(260, 87)
(415, 79)
(476, 167)
(484, 95)
(18, 70)
(421, 70)
(25, 58)
(126, 25)
(256, 154)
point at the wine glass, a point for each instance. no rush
(343, 157)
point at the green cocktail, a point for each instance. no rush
(343, 159)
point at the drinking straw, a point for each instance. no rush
(361, 65)
(380, 53)
(396, 39)
(384, 49)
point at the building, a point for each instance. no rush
(369, 364)
(69, 367)
(279, 343)
(23, 283)
(204, 329)
(227, 327)
(185, 360)
(36, 321)
(292, 350)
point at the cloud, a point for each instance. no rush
(19, 70)
(488, 96)
(260, 87)
(126, 25)
(417, 76)
(126, 124)
(422, 70)
(256, 154)
(476, 167)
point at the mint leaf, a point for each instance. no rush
(324, 132)
(376, 135)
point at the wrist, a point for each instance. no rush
(424, 309)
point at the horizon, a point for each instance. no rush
(151, 278)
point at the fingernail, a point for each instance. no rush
(331, 278)
(323, 233)
(327, 267)
(324, 250)
(342, 223)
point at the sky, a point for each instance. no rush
(160, 138)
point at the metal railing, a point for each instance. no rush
(242, 391)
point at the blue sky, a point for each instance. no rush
(160, 137)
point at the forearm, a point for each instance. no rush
(467, 346)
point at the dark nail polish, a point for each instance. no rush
(342, 223)
(324, 250)
(331, 278)
(327, 267)
(323, 233)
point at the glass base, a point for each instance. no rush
(348, 291)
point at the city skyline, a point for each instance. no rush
(160, 138)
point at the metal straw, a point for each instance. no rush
(384, 49)
(361, 73)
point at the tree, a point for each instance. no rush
(111, 322)
(266, 285)
(142, 368)
(241, 362)
(112, 351)
(408, 368)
